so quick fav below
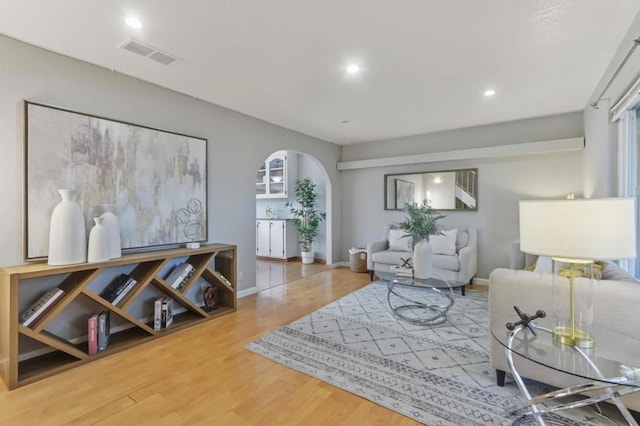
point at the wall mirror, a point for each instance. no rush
(443, 190)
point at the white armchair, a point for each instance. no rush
(461, 266)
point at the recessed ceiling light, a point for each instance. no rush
(489, 93)
(353, 69)
(133, 22)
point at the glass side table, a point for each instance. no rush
(611, 369)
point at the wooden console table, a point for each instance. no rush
(58, 340)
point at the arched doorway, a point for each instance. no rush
(277, 250)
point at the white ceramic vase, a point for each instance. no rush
(423, 260)
(98, 242)
(112, 224)
(67, 232)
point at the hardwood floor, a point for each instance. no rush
(272, 273)
(203, 375)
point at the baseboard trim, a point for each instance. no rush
(278, 259)
(316, 261)
(480, 281)
(247, 292)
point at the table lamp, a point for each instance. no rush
(574, 233)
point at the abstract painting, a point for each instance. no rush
(156, 180)
(405, 193)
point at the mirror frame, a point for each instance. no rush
(475, 189)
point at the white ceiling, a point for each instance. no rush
(425, 63)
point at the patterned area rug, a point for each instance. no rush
(437, 375)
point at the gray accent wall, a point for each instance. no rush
(502, 182)
(237, 143)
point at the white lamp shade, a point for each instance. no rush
(601, 228)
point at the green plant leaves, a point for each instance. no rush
(422, 222)
(306, 217)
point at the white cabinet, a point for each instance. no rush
(276, 239)
(274, 177)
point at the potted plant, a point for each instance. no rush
(421, 223)
(305, 217)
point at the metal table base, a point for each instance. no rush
(535, 406)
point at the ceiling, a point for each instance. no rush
(424, 63)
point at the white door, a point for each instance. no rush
(262, 238)
(277, 238)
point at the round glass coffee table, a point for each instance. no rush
(418, 301)
(611, 369)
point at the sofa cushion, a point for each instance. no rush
(615, 273)
(392, 257)
(445, 243)
(397, 240)
(462, 240)
(452, 263)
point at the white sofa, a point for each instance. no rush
(460, 266)
(616, 304)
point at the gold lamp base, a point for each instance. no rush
(577, 338)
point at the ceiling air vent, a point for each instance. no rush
(147, 51)
(163, 58)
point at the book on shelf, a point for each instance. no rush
(118, 288)
(109, 292)
(180, 274)
(104, 330)
(41, 306)
(167, 312)
(185, 280)
(124, 289)
(157, 314)
(222, 278)
(92, 334)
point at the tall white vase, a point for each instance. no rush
(98, 242)
(112, 224)
(423, 260)
(67, 232)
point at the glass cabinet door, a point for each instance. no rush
(271, 179)
(261, 180)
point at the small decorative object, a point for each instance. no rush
(67, 232)
(406, 263)
(189, 218)
(111, 223)
(526, 320)
(421, 223)
(276, 179)
(306, 218)
(210, 295)
(98, 242)
(270, 212)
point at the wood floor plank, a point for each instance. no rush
(103, 412)
(203, 375)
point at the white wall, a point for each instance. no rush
(501, 182)
(237, 143)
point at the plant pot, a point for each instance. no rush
(423, 260)
(307, 257)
